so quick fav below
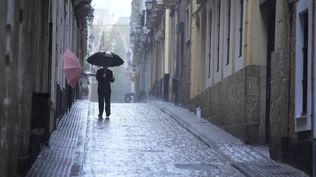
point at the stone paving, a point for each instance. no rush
(140, 140)
(157, 139)
(64, 155)
(244, 158)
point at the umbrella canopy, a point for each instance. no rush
(107, 58)
(72, 68)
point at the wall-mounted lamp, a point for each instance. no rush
(149, 4)
(91, 37)
(138, 30)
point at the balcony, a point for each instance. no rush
(170, 3)
(83, 9)
(154, 11)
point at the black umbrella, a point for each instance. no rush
(109, 59)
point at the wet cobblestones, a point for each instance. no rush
(148, 140)
(240, 156)
(64, 155)
(139, 140)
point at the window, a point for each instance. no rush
(218, 35)
(303, 68)
(304, 18)
(210, 44)
(228, 15)
(188, 24)
(240, 25)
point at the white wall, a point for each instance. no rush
(236, 62)
(302, 123)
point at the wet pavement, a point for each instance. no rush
(248, 160)
(140, 140)
(64, 155)
(147, 139)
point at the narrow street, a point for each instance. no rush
(198, 88)
(144, 139)
(140, 140)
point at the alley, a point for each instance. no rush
(147, 139)
(199, 88)
(140, 140)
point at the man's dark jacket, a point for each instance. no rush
(104, 84)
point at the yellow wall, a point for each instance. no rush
(258, 37)
(197, 53)
(194, 54)
(254, 41)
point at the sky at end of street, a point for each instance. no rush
(119, 8)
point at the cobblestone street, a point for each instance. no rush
(140, 140)
(152, 139)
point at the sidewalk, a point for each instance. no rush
(240, 156)
(64, 155)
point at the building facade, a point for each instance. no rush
(249, 66)
(34, 94)
(292, 91)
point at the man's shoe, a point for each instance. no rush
(100, 115)
(107, 117)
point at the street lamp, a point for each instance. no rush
(128, 55)
(138, 29)
(91, 37)
(149, 4)
(146, 30)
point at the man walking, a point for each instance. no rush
(104, 77)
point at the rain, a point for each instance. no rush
(109, 31)
(157, 88)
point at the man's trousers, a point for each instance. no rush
(105, 97)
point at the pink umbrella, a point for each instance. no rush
(72, 68)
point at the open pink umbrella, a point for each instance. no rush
(72, 68)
